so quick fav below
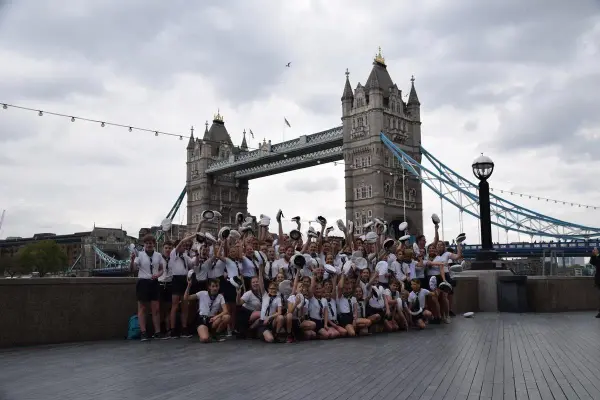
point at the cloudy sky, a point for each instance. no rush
(515, 80)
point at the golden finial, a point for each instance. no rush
(218, 117)
(379, 58)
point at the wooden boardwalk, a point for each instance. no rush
(493, 356)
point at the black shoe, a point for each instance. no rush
(598, 315)
(218, 338)
(452, 314)
(435, 321)
(157, 335)
(185, 333)
(144, 337)
(167, 335)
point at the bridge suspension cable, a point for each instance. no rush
(508, 215)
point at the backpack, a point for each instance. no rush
(133, 330)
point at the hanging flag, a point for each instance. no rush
(251, 134)
(286, 122)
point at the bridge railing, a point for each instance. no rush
(587, 245)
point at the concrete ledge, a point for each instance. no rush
(466, 295)
(562, 293)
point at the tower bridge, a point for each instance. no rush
(218, 171)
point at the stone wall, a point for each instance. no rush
(58, 310)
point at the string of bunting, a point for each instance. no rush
(131, 128)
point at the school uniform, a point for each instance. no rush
(316, 311)
(376, 305)
(146, 288)
(248, 269)
(179, 264)
(165, 282)
(252, 302)
(200, 275)
(269, 306)
(346, 306)
(394, 295)
(417, 301)
(208, 307)
(299, 313)
(332, 308)
(436, 270)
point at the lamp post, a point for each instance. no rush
(483, 166)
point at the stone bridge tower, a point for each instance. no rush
(374, 181)
(222, 193)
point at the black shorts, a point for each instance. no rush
(261, 328)
(424, 283)
(416, 318)
(227, 290)
(373, 311)
(296, 329)
(345, 319)
(166, 290)
(147, 290)
(198, 286)
(320, 324)
(179, 284)
(204, 320)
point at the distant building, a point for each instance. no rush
(176, 231)
(79, 246)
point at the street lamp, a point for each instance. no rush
(483, 166)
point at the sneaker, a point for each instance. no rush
(144, 337)
(446, 320)
(290, 339)
(229, 333)
(598, 315)
(452, 314)
(185, 333)
(167, 335)
(157, 335)
(435, 321)
(218, 338)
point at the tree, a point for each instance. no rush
(44, 257)
(11, 266)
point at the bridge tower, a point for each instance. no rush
(374, 181)
(222, 193)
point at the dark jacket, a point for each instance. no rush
(595, 261)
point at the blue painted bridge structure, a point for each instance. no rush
(561, 249)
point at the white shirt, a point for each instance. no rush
(382, 269)
(248, 268)
(251, 301)
(269, 306)
(378, 303)
(345, 305)
(271, 270)
(435, 270)
(315, 308)
(362, 311)
(299, 309)
(393, 295)
(280, 265)
(331, 308)
(201, 270)
(207, 306)
(179, 264)
(147, 266)
(167, 275)
(422, 297)
(217, 270)
(401, 270)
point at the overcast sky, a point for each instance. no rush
(516, 80)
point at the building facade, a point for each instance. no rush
(374, 179)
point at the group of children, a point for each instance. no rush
(247, 284)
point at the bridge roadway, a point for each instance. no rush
(492, 356)
(571, 249)
(320, 147)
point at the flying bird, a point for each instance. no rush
(288, 64)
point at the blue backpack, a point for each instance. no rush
(133, 331)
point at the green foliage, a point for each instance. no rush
(11, 266)
(44, 257)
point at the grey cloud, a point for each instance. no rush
(50, 88)
(470, 125)
(324, 184)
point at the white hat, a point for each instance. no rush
(236, 282)
(200, 237)
(239, 218)
(456, 268)
(209, 237)
(190, 273)
(298, 260)
(330, 269)
(234, 234)
(387, 243)
(285, 288)
(295, 234)
(165, 225)
(377, 291)
(265, 221)
(347, 267)
(416, 249)
(350, 226)
(321, 220)
(371, 237)
(404, 238)
(224, 232)
(403, 226)
(419, 311)
(368, 225)
(208, 215)
(362, 237)
(461, 238)
(469, 314)
(341, 226)
(446, 287)
(433, 283)
(435, 219)
(131, 247)
(378, 221)
(361, 263)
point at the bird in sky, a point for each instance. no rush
(288, 64)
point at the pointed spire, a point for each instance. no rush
(348, 95)
(190, 145)
(244, 145)
(412, 97)
(379, 58)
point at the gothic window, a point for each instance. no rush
(411, 194)
(370, 214)
(386, 188)
(363, 192)
(368, 161)
(213, 196)
(364, 162)
(370, 191)
(357, 215)
(386, 161)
